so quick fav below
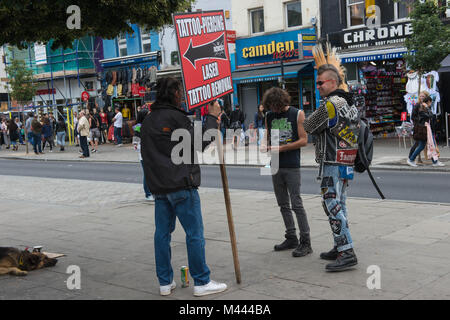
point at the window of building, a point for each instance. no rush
(257, 20)
(355, 12)
(145, 40)
(403, 8)
(174, 60)
(122, 44)
(294, 14)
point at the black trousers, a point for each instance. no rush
(84, 146)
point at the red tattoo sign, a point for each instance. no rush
(205, 60)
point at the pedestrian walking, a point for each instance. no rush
(47, 134)
(21, 131)
(286, 182)
(94, 122)
(260, 123)
(103, 126)
(83, 129)
(423, 134)
(137, 146)
(224, 123)
(76, 134)
(13, 134)
(36, 130)
(118, 123)
(28, 130)
(61, 133)
(175, 187)
(336, 156)
(4, 128)
(237, 119)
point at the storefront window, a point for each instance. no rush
(355, 12)
(257, 20)
(404, 8)
(294, 14)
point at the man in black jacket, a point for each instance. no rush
(175, 184)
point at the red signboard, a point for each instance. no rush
(403, 116)
(46, 91)
(85, 96)
(203, 50)
(231, 36)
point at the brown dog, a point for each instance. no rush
(16, 262)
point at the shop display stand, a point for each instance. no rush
(383, 101)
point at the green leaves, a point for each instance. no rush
(21, 82)
(430, 40)
(25, 21)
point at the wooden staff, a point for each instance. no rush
(226, 194)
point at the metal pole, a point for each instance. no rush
(446, 126)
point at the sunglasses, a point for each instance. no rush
(320, 83)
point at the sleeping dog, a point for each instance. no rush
(18, 263)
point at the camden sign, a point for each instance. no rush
(371, 37)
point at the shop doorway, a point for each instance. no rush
(308, 97)
(249, 104)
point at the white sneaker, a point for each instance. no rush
(209, 288)
(166, 290)
(438, 164)
(410, 163)
(150, 198)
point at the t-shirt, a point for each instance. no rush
(119, 120)
(126, 112)
(286, 122)
(104, 118)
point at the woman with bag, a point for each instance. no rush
(421, 135)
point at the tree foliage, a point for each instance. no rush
(430, 41)
(22, 87)
(25, 21)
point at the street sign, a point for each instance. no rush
(205, 60)
(84, 96)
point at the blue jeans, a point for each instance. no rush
(334, 194)
(118, 135)
(30, 137)
(146, 189)
(61, 138)
(36, 140)
(420, 147)
(185, 205)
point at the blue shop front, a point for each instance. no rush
(281, 59)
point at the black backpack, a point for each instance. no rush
(365, 147)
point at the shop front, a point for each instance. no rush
(127, 81)
(377, 72)
(280, 59)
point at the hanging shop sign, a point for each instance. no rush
(365, 37)
(203, 49)
(270, 49)
(40, 54)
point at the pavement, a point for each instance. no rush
(389, 154)
(106, 230)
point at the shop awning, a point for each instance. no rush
(267, 74)
(445, 65)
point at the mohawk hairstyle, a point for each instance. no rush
(330, 58)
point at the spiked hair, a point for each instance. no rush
(328, 61)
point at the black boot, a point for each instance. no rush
(330, 255)
(304, 247)
(345, 260)
(289, 243)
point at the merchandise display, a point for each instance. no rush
(384, 97)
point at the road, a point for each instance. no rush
(396, 185)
